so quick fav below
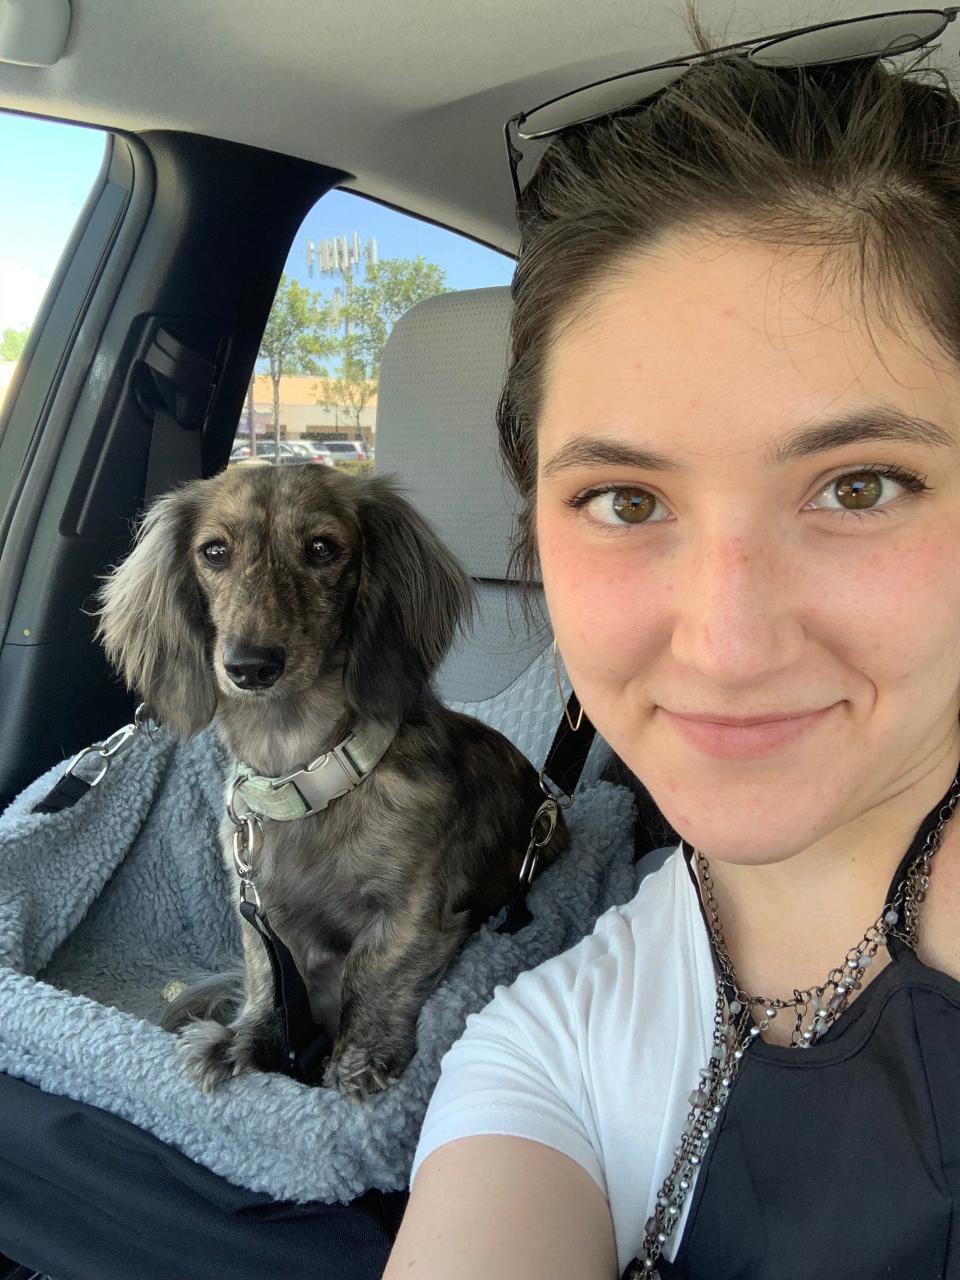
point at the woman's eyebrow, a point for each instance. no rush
(881, 422)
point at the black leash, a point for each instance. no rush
(302, 1043)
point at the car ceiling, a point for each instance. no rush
(409, 98)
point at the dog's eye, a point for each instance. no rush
(216, 553)
(321, 550)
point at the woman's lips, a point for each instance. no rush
(726, 737)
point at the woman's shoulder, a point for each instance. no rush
(655, 937)
(550, 1056)
(649, 925)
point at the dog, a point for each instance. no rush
(290, 605)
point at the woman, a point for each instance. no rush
(733, 409)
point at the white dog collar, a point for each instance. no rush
(312, 788)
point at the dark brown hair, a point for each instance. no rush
(860, 161)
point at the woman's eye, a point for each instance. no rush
(866, 490)
(215, 553)
(620, 506)
(321, 550)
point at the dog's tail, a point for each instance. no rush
(214, 995)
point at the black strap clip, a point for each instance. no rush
(562, 769)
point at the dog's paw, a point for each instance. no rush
(358, 1073)
(211, 1054)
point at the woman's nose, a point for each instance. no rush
(738, 617)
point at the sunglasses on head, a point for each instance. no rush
(879, 35)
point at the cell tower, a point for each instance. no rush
(339, 255)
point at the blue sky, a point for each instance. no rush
(62, 161)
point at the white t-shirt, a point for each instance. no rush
(595, 1052)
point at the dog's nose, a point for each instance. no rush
(252, 666)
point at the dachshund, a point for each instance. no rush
(294, 607)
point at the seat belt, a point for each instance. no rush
(183, 382)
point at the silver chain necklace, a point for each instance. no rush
(734, 1028)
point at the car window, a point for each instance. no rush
(353, 269)
(37, 217)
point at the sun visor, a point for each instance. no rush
(33, 33)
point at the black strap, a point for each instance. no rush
(569, 749)
(302, 1042)
(66, 793)
(564, 765)
(175, 454)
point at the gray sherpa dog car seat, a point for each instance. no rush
(113, 1165)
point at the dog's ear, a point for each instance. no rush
(152, 617)
(412, 596)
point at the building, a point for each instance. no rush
(302, 414)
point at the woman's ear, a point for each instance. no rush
(152, 617)
(412, 596)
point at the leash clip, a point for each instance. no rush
(246, 842)
(553, 792)
(248, 894)
(117, 742)
(546, 819)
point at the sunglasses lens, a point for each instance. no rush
(599, 100)
(873, 37)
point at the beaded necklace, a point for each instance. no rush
(734, 1028)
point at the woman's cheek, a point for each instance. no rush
(603, 601)
(577, 581)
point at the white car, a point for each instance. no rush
(346, 450)
(312, 451)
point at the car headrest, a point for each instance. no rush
(440, 379)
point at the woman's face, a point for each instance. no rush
(748, 509)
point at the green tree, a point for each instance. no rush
(12, 343)
(367, 316)
(350, 393)
(295, 339)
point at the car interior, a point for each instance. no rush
(224, 126)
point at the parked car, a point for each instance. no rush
(346, 450)
(311, 451)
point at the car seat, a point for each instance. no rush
(440, 379)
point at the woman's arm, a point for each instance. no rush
(505, 1207)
